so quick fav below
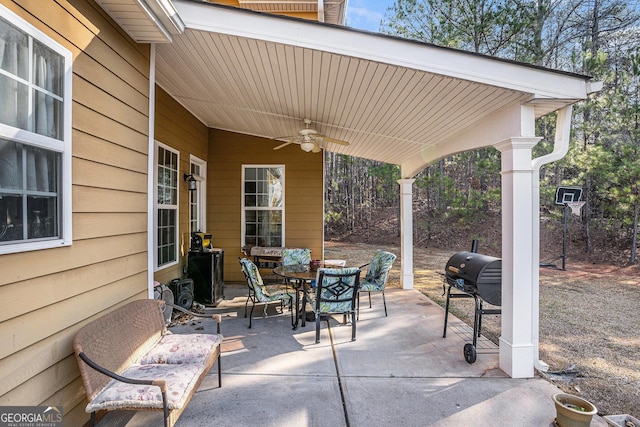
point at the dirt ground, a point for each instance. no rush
(589, 321)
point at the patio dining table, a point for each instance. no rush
(300, 276)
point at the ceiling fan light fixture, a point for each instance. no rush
(307, 146)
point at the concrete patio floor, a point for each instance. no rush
(399, 372)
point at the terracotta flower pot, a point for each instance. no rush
(573, 411)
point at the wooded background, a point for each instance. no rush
(458, 198)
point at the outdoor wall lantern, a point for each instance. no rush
(191, 181)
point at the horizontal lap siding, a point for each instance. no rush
(303, 193)
(179, 129)
(50, 294)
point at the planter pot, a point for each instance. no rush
(573, 411)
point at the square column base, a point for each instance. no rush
(407, 281)
(516, 360)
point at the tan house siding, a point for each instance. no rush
(303, 193)
(179, 129)
(48, 294)
(273, 9)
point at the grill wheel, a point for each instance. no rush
(470, 353)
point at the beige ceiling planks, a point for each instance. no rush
(223, 76)
(318, 82)
(471, 116)
(366, 89)
(439, 111)
(296, 64)
(168, 74)
(441, 99)
(307, 83)
(442, 126)
(288, 124)
(200, 79)
(360, 91)
(358, 72)
(396, 118)
(241, 70)
(344, 73)
(254, 86)
(273, 90)
(373, 95)
(246, 85)
(326, 83)
(204, 70)
(391, 84)
(282, 73)
(338, 73)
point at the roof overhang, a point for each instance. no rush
(394, 100)
(146, 21)
(328, 11)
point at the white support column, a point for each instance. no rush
(516, 342)
(406, 232)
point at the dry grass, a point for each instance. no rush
(589, 322)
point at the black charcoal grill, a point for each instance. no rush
(475, 276)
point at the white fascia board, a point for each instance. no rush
(167, 13)
(540, 83)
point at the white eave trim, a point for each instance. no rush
(168, 14)
(160, 20)
(539, 82)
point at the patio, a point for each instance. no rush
(399, 371)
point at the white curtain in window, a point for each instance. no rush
(9, 112)
(9, 172)
(14, 59)
(45, 104)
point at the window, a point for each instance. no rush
(263, 206)
(167, 161)
(35, 138)
(197, 197)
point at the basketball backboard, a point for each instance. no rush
(568, 194)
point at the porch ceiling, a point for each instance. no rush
(393, 100)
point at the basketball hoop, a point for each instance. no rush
(575, 207)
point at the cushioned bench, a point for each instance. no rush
(129, 361)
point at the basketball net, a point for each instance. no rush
(575, 207)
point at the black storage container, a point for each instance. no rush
(182, 292)
(206, 268)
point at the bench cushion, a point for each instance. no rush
(182, 349)
(181, 379)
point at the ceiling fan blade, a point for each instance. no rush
(316, 148)
(333, 141)
(282, 145)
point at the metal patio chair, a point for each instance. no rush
(376, 278)
(335, 293)
(261, 293)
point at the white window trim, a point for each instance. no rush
(243, 207)
(156, 206)
(61, 146)
(201, 182)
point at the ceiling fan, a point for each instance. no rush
(308, 139)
